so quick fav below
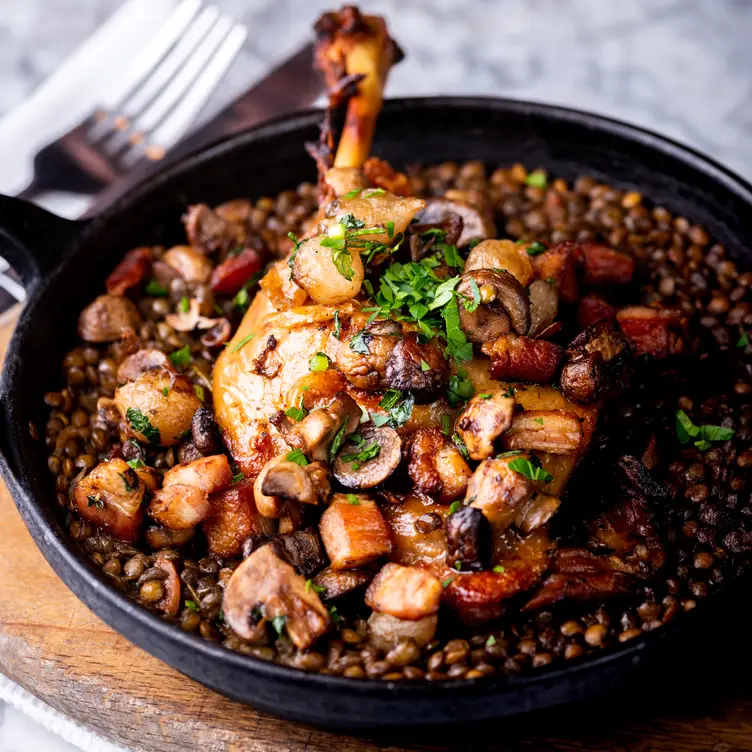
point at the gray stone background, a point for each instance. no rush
(681, 67)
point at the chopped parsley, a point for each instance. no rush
(485, 396)
(297, 413)
(185, 304)
(336, 617)
(424, 366)
(537, 179)
(539, 421)
(701, 436)
(156, 290)
(510, 392)
(460, 444)
(165, 391)
(446, 424)
(243, 342)
(491, 641)
(130, 481)
(743, 340)
(353, 193)
(318, 362)
(454, 506)
(390, 399)
(278, 622)
(141, 424)
(238, 477)
(399, 405)
(199, 390)
(337, 325)
(447, 582)
(136, 464)
(298, 457)
(530, 468)
(359, 342)
(499, 569)
(367, 453)
(460, 388)
(337, 442)
(181, 357)
(298, 243)
(374, 192)
(95, 501)
(352, 499)
(192, 606)
(452, 256)
(310, 585)
(458, 565)
(535, 249)
(390, 228)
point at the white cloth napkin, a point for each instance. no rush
(63, 100)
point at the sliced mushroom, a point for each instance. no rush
(553, 431)
(189, 263)
(468, 534)
(483, 420)
(187, 321)
(475, 224)
(420, 368)
(503, 305)
(498, 491)
(292, 482)
(304, 551)
(158, 407)
(501, 254)
(544, 305)
(354, 532)
(386, 631)
(170, 601)
(372, 461)
(435, 465)
(404, 592)
(366, 370)
(266, 587)
(218, 335)
(141, 362)
(537, 511)
(337, 584)
(105, 318)
(316, 433)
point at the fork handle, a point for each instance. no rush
(32, 239)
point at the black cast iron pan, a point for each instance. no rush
(64, 265)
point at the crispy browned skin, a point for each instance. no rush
(436, 466)
(552, 431)
(516, 358)
(658, 332)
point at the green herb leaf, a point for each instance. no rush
(278, 622)
(510, 392)
(192, 606)
(353, 193)
(297, 413)
(336, 617)
(95, 501)
(485, 396)
(491, 641)
(309, 585)
(181, 357)
(447, 582)
(185, 304)
(390, 399)
(531, 469)
(136, 464)
(359, 342)
(460, 444)
(351, 222)
(156, 290)
(367, 453)
(374, 192)
(343, 261)
(537, 179)
(390, 228)
(337, 326)
(400, 414)
(454, 506)
(238, 477)
(298, 243)
(458, 565)
(353, 499)
(446, 424)
(457, 345)
(243, 341)
(424, 366)
(318, 362)
(298, 457)
(743, 340)
(539, 421)
(499, 569)
(130, 481)
(535, 249)
(686, 430)
(141, 424)
(460, 388)
(380, 420)
(165, 391)
(242, 300)
(337, 442)
(199, 390)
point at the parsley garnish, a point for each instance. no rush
(141, 424)
(136, 464)
(156, 290)
(499, 569)
(491, 639)
(310, 585)
(238, 477)
(297, 413)
(743, 340)
(702, 436)
(454, 506)
(192, 606)
(530, 468)
(537, 179)
(278, 622)
(485, 396)
(446, 424)
(95, 501)
(199, 390)
(243, 341)
(318, 362)
(447, 582)
(367, 453)
(390, 399)
(359, 342)
(352, 499)
(539, 421)
(390, 228)
(424, 366)
(374, 192)
(336, 618)
(337, 442)
(452, 256)
(458, 565)
(298, 243)
(509, 392)
(351, 222)
(181, 357)
(185, 304)
(460, 389)
(337, 325)
(165, 391)
(460, 444)
(130, 487)
(457, 345)
(298, 457)
(353, 193)
(535, 249)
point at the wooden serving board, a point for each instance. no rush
(52, 645)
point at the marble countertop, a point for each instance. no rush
(680, 67)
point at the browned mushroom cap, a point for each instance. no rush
(266, 587)
(105, 318)
(483, 420)
(417, 367)
(468, 536)
(537, 511)
(365, 370)
(504, 305)
(337, 584)
(544, 305)
(140, 362)
(321, 428)
(475, 224)
(372, 461)
(306, 485)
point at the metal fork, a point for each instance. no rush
(150, 109)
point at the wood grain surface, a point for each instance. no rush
(57, 649)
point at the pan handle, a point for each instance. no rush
(33, 240)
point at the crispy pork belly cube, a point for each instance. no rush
(498, 491)
(593, 308)
(210, 474)
(516, 358)
(559, 264)
(659, 332)
(111, 497)
(404, 592)
(266, 587)
(553, 431)
(354, 532)
(606, 266)
(386, 631)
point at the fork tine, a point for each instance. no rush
(150, 57)
(148, 120)
(175, 124)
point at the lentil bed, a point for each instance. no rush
(707, 522)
